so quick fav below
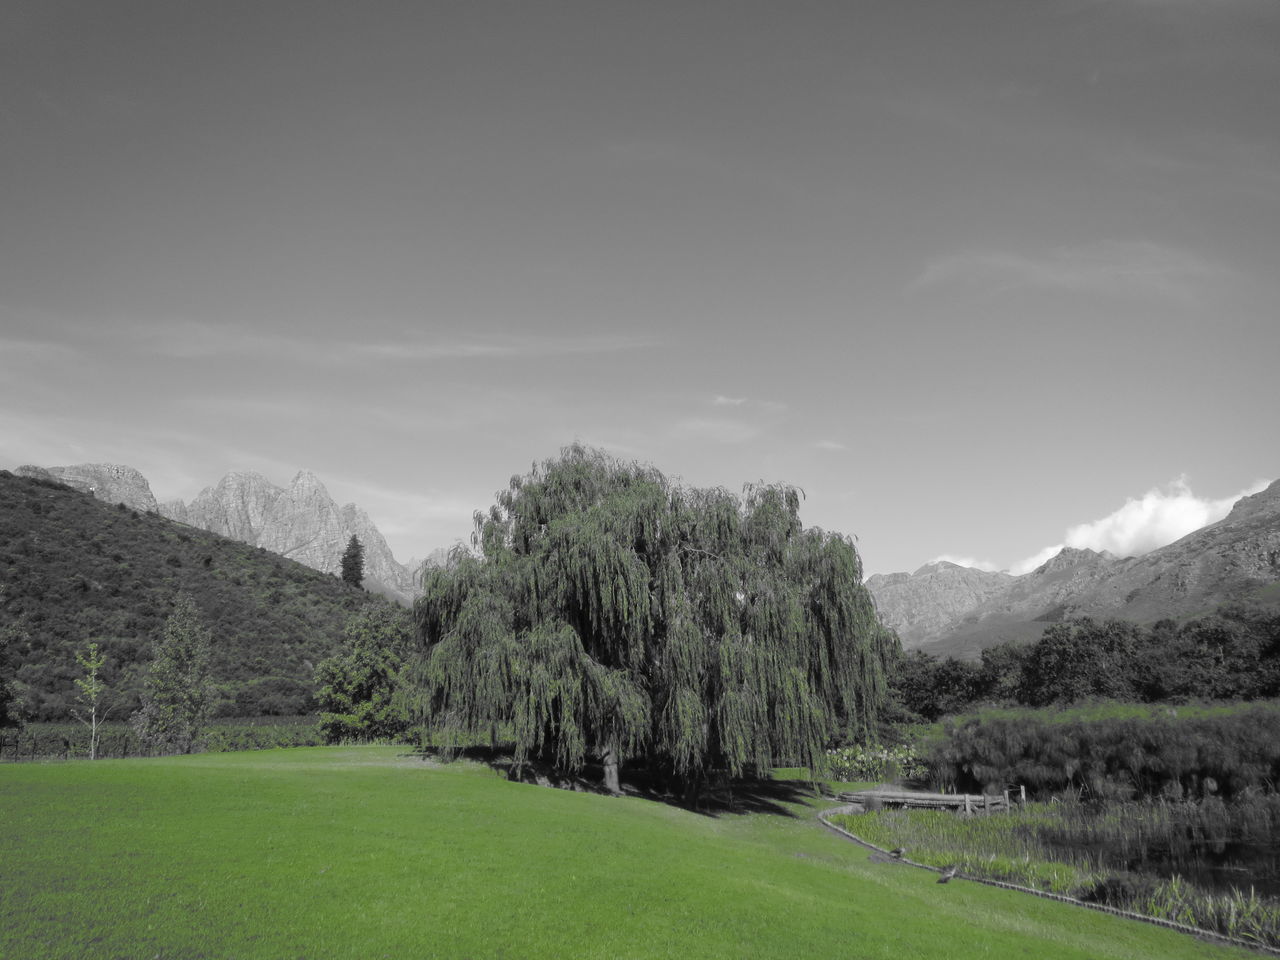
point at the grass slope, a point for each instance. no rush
(75, 569)
(363, 853)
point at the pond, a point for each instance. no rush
(1215, 865)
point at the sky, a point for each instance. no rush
(980, 278)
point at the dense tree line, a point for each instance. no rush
(1232, 654)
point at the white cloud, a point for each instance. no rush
(830, 445)
(1129, 268)
(1158, 517)
(1033, 561)
(964, 561)
(722, 401)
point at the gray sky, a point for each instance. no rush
(970, 274)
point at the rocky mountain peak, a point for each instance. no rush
(305, 480)
(109, 482)
(1257, 506)
(1069, 557)
(300, 521)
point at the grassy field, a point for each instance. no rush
(364, 853)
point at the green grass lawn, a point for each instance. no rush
(364, 853)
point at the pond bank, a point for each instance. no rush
(1018, 849)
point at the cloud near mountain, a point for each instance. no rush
(1158, 517)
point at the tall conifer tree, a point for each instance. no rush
(353, 562)
(610, 614)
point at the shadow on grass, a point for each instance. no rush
(711, 798)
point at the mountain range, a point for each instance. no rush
(942, 607)
(301, 521)
(948, 609)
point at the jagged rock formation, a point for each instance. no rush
(955, 610)
(109, 482)
(301, 522)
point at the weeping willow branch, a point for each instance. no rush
(610, 614)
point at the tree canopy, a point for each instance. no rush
(10, 705)
(353, 562)
(356, 688)
(175, 704)
(610, 614)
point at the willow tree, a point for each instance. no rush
(610, 615)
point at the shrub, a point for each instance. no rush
(875, 763)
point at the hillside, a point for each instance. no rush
(300, 521)
(957, 611)
(75, 569)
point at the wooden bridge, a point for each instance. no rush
(969, 803)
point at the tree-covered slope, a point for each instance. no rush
(74, 569)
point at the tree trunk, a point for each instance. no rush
(611, 783)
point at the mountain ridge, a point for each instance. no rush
(950, 609)
(300, 521)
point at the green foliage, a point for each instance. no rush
(923, 687)
(875, 764)
(1231, 654)
(175, 703)
(353, 562)
(1122, 751)
(10, 705)
(91, 689)
(73, 567)
(1080, 659)
(612, 614)
(357, 688)
(117, 739)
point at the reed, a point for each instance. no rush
(1077, 849)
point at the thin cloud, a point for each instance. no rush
(722, 401)
(830, 445)
(716, 430)
(1125, 268)
(1157, 518)
(409, 350)
(194, 340)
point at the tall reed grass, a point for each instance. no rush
(1082, 850)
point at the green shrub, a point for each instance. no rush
(875, 763)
